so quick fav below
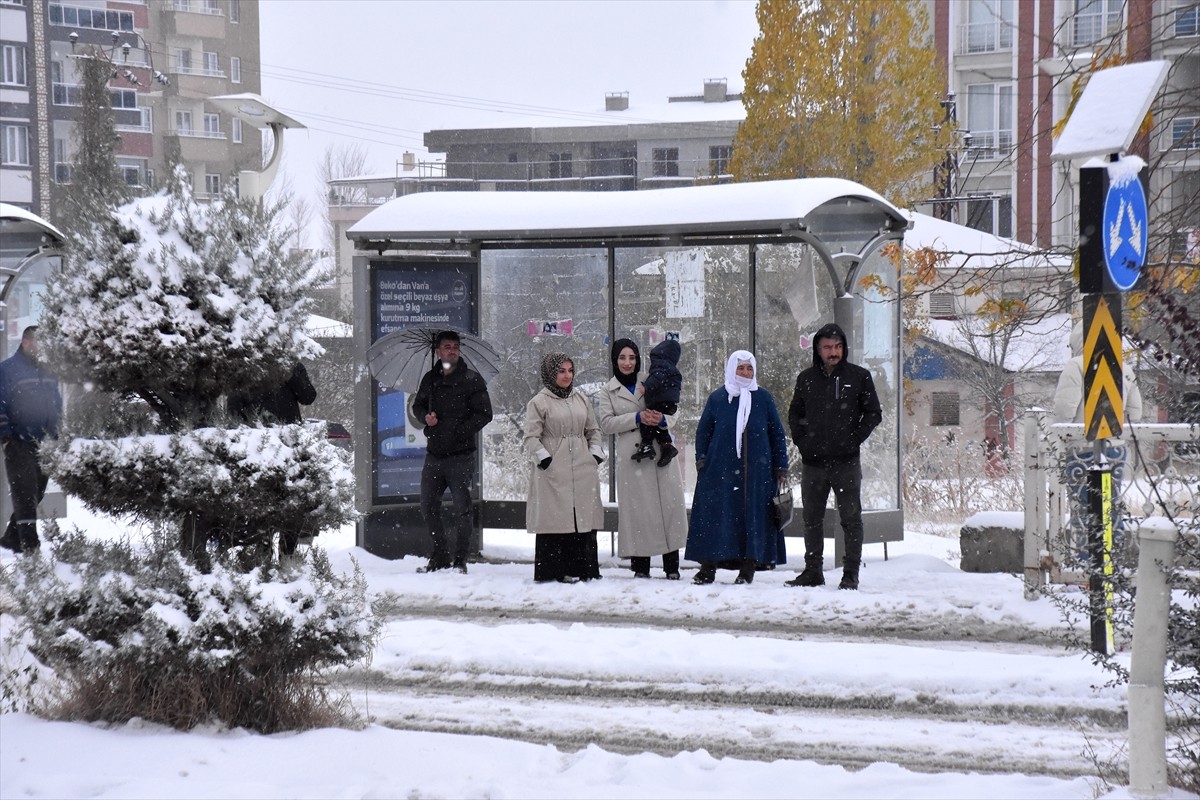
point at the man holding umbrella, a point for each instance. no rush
(454, 403)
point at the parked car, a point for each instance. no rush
(335, 432)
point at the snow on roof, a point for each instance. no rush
(500, 215)
(11, 212)
(1041, 346)
(325, 328)
(976, 248)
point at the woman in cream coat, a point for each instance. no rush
(563, 507)
(653, 521)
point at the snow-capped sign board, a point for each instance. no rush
(1110, 111)
(1124, 228)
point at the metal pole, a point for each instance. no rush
(1100, 549)
(1147, 714)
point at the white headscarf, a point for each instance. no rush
(740, 387)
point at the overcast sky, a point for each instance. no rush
(382, 72)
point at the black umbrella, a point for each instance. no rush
(400, 359)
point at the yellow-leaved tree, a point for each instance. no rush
(843, 88)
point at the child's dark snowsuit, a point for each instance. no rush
(662, 387)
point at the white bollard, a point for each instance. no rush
(1147, 712)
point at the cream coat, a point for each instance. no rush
(564, 498)
(653, 520)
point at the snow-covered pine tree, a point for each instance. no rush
(167, 305)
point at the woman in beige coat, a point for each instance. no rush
(563, 508)
(653, 520)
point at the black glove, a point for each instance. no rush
(599, 460)
(699, 465)
(545, 463)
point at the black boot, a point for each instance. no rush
(671, 565)
(746, 573)
(640, 566)
(669, 451)
(644, 450)
(812, 574)
(849, 575)
(706, 574)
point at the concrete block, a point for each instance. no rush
(991, 548)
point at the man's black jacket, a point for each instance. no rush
(831, 415)
(462, 405)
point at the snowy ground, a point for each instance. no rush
(928, 682)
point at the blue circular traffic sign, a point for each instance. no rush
(1125, 233)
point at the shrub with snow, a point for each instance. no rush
(166, 306)
(141, 632)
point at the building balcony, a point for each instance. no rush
(200, 146)
(984, 37)
(195, 18)
(1085, 30)
(197, 84)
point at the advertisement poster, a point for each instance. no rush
(411, 295)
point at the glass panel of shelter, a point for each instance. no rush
(536, 301)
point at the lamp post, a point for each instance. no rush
(123, 69)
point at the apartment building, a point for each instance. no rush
(626, 144)
(1009, 69)
(168, 56)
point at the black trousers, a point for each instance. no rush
(439, 474)
(28, 485)
(844, 479)
(565, 555)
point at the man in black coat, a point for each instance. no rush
(277, 406)
(454, 403)
(834, 409)
(30, 406)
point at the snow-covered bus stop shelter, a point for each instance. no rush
(755, 266)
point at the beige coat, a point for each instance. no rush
(564, 498)
(649, 497)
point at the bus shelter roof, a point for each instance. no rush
(817, 207)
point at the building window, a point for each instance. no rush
(183, 123)
(66, 94)
(560, 165)
(211, 67)
(183, 60)
(235, 69)
(719, 157)
(1187, 21)
(237, 130)
(131, 175)
(212, 126)
(16, 146)
(212, 184)
(943, 408)
(235, 11)
(665, 162)
(1094, 20)
(991, 214)
(12, 2)
(98, 19)
(1185, 133)
(941, 304)
(989, 27)
(12, 73)
(990, 119)
(123, 98)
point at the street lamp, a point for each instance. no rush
(252, 109)
(122, 70)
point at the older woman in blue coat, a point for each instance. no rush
(741, 460)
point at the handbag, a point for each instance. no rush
(782, 508)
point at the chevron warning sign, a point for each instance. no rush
(1103, 406)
